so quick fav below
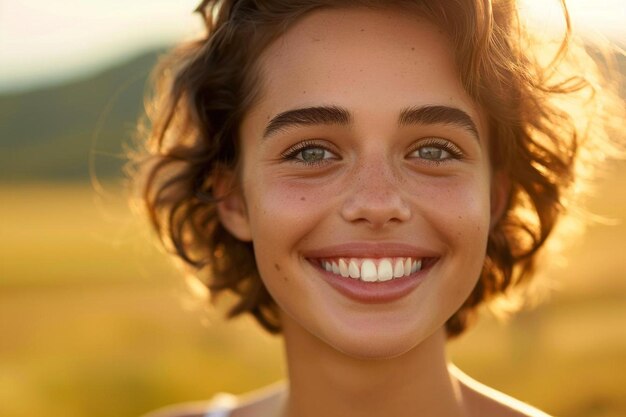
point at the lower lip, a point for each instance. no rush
(373, 292)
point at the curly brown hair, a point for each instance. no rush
(551, 119)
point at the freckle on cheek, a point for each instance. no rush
(277, 267)
(302, 199)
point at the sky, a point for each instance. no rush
(48, 41)
(44, 41)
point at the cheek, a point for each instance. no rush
(285, 208)
(282, 213)
(460, 213)
(467, 213)
(459, 208)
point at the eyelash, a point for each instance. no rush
(443, 144)
(292, 153)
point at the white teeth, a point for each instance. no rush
(343, 268)
(398, 270)
(407, 267)
(417, 265)
(385, 272)
(353, 270)
(368, 271)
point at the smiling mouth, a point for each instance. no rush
(374, 269)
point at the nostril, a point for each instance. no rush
(376, 211)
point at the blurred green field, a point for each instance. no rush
(95, 322)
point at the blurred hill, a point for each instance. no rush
(48, 134)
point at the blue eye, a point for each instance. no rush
(309, 153)
(433, 153)
(312, 154)
(436, 150)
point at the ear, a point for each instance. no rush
(231, 205)
(500, 192)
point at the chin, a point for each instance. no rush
(376, 345)
(374, 351)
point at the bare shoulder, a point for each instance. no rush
(486, 401)
(266, 401)
(190, 409)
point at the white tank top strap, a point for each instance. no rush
(221, 405)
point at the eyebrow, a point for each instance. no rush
(334, 115)
(445, 115)
(321, 115)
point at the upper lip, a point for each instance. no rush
(370, 250)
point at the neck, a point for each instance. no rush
(326, 382)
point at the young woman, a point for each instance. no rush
(364, 174)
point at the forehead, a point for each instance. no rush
(371, 62)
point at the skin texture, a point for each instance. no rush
(371, 188)
(373, 184)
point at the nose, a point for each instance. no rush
(375, 198)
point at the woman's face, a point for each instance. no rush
(381, 163)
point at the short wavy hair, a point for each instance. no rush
(551, 118)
